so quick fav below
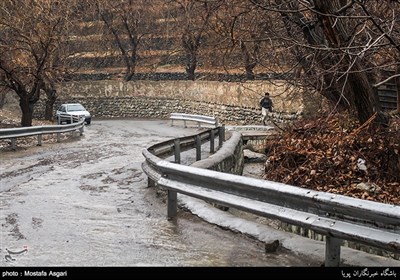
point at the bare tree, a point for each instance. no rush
(192, 22)
(340, 47)
(127, 21)
(31, 35)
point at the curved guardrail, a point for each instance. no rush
(199, 119)
(337, 217)
(14, 133)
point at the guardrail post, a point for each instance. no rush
(198, 147)
(172, 204)
(13, 144)
(212, 141)
(177, 150)
(58, 136)
(39, 140)
(184, 123)
(150, 183)
(221, 132)
(332, 251)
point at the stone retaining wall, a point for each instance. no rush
(143, 107)
(230, 102)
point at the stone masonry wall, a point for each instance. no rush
(231, 103)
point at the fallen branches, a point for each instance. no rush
(338, 155)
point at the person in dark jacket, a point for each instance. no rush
(266, 106)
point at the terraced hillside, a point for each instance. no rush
(158, 44)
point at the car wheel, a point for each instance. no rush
(88, 121)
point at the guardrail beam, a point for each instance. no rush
(14, 133)
(199, 119)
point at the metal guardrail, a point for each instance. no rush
(337, 217)
(195, 118)
(68, 118)
(178, 145)
(14, 133)
(251, 132)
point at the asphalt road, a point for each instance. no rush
(85, 202)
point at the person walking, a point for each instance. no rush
(266, 106)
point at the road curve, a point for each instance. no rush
(85, 202)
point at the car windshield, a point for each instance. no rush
(75, 107)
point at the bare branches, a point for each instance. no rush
(343, 47)
(31, 42)
(392, 77)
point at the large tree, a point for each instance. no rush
(340, 47)
(32, 34)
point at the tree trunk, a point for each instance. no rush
(250, 73)
(130, 62)
(362, 96)
(191, 44)
(2, 98)
(358, 90)
(27, 101)
(51, 99)
(314, 36)
(191, 65)
(248, 64)
(27, 110)
(398, 89)
(129, 75)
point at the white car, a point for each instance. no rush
(70, 112)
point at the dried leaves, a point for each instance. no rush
(338, 155)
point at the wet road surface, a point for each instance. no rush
(85, 202)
